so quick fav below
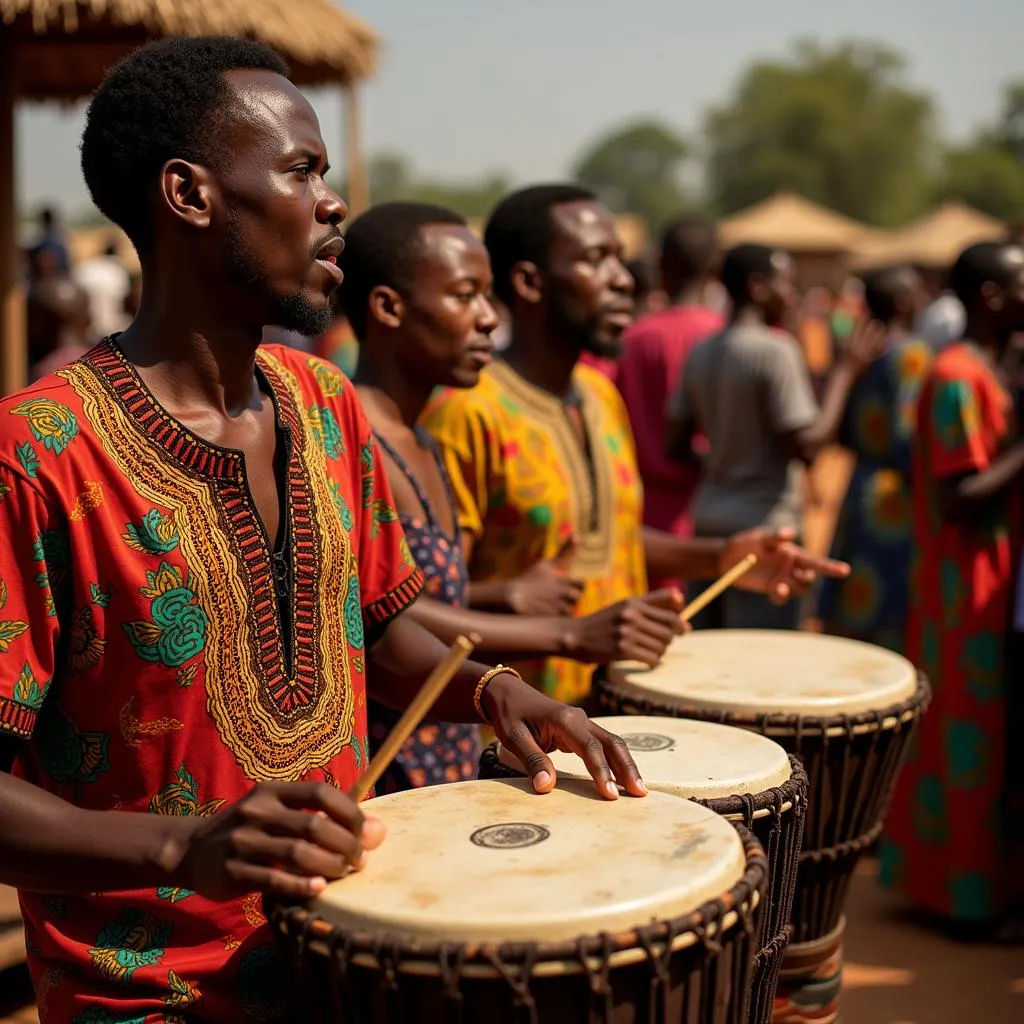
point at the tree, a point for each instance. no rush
(838, 125)
(636, 170)
(987, 177)
(989, 173)
(1010, 131)
(391, 176)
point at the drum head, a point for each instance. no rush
(752, 671)
(686, 758)
(491, 861)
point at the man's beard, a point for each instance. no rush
(293, 312)
(584, 332)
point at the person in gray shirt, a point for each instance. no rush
(748, 392)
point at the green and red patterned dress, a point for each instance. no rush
(156, 656)
(947, 841)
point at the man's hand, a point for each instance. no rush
(529, 724)
(545, 588)
(865, 344)
(637, 629)
(784, 569)
(285, 838)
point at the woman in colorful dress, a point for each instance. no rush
(948, 842)
(875, 528)
(415, 292)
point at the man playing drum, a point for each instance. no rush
(541, 454)
(202, 576)
(416, 292)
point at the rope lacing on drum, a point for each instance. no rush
(851, 848)
(337, 974)
(660, 977)
(451, 961)
(599, 980)
(389, 956)
(747, 799)
(520, 984)
(302, 945)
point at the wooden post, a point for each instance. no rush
(13, 340)
(358, 197)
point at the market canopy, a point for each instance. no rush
(935, 240)
(788, 221)
(60, 49)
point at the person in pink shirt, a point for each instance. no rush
(654, 351)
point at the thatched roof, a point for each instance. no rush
(933, 241)
(63, 47)
(791, 222)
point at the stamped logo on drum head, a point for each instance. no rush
(647, 742)
(511, 836)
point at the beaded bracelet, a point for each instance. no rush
(484, 680)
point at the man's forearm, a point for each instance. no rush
(962, 500)
(833, 408)
(49, 845)
(693, 558)
(505, 636)
(492, 597)
(404, 657)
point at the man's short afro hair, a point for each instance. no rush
(980, 264)
(381, 248)
(157, 104)
(521, 229)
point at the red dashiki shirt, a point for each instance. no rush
(144, 660)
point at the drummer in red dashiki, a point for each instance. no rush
(953, 839)
(541, 451)
(416, 292)
(202, 576)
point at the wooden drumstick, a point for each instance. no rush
(415, 713)
(727, 579)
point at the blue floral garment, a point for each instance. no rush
(875, 526)
(436, 752)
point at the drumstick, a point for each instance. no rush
(727, 579)
(415, 713)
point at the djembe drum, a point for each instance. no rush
(490, 903)
(735, 773)
(847, 710)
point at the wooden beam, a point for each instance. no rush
(358, 197)
(13, 341)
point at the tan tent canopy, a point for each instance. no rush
(791, 222)
(933, 241)
(60, 49)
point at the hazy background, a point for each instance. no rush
(468, 88)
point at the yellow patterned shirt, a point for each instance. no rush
(524, 484)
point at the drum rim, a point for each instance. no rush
(739, 907)
(790, 797)
(891, 717)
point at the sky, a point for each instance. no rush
(466, 87)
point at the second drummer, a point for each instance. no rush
(541, 451)
(416, 293)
